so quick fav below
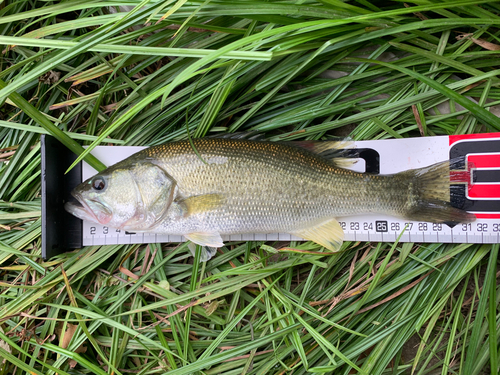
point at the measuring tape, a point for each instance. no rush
(379, 156)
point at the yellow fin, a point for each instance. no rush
(211, 239)
(327, 233)
(201, 203)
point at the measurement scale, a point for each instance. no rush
(481, 197)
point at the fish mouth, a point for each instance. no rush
(93, 211)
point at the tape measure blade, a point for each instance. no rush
(393, 155)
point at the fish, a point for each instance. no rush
(211, 187)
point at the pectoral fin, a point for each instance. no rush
(201, 203)
(211, 239)
(327, 233)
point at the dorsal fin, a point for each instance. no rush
(339, 151)
(251, 135)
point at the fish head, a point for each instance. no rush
(131, 196)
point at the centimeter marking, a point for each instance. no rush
(481, 231)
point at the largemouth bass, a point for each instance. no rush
(235, 186)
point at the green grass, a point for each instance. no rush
(88, 76)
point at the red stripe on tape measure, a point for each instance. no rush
(455, 138)
(484, 191)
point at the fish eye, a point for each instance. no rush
(98, 183)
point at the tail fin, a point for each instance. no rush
(431, 193)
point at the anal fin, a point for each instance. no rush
(327, 233)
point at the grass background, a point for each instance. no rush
(90, 72)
